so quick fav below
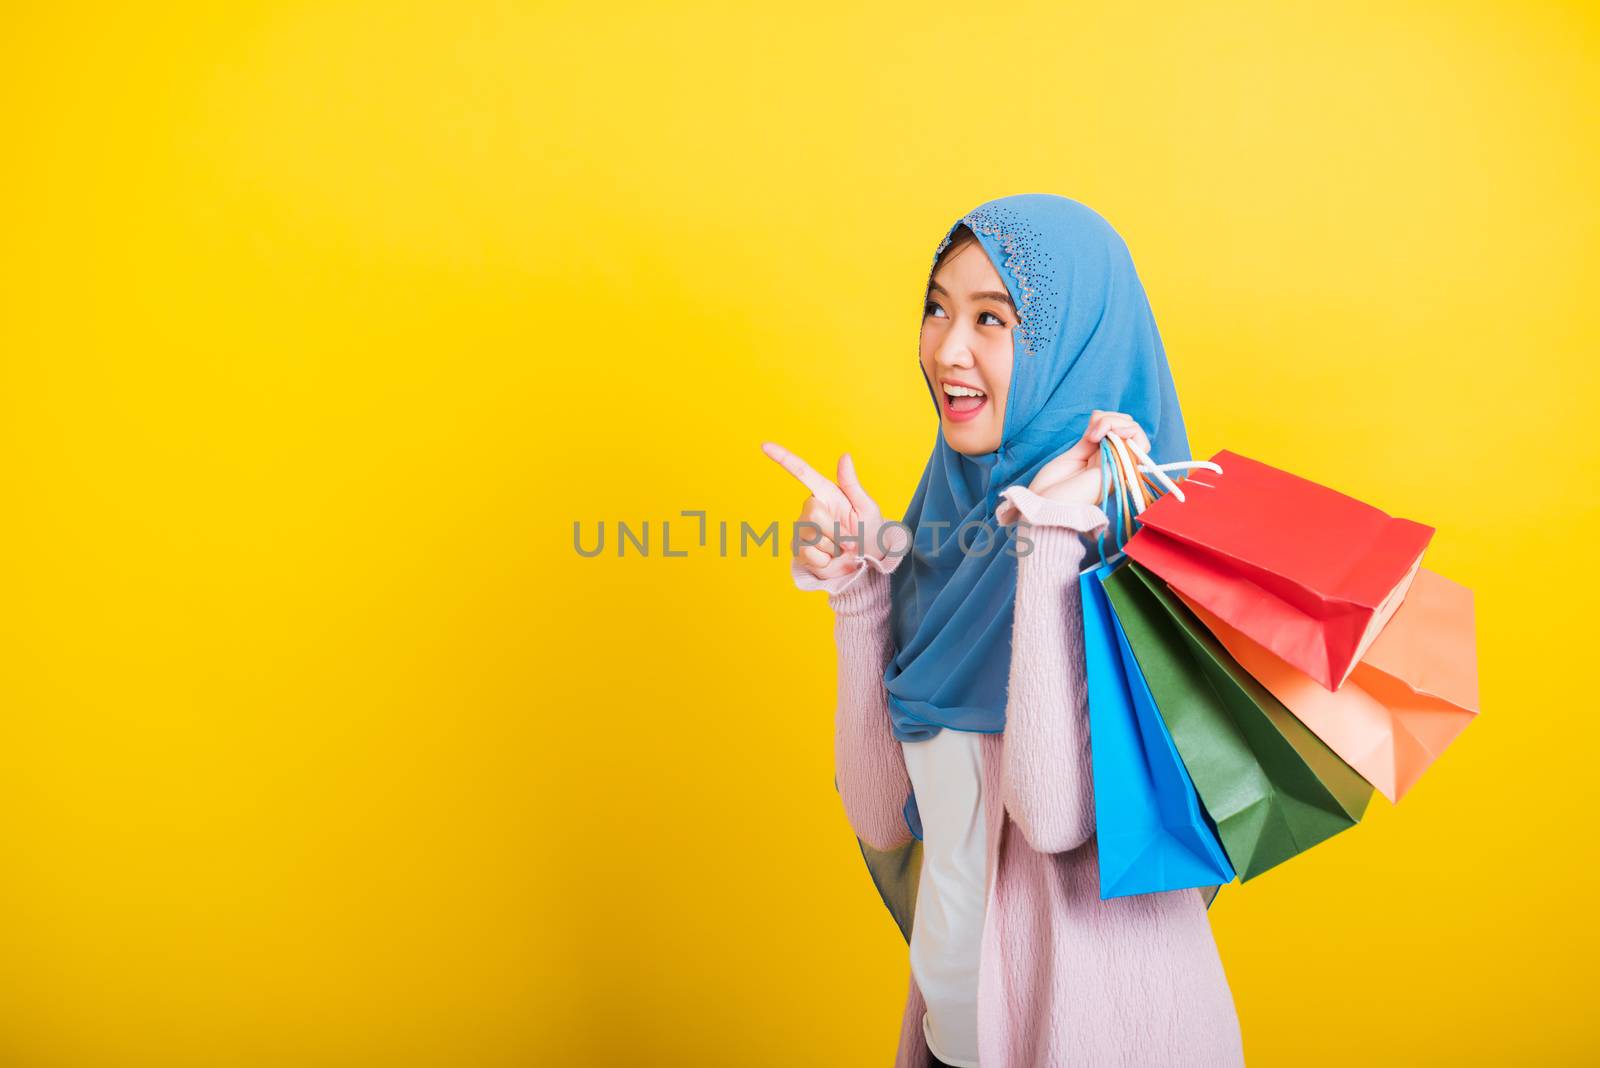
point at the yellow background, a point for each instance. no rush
(324, 322)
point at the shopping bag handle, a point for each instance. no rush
(1113, 479)
(1129, 477)
(1160, 470)
(1124, 470)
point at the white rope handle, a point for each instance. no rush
(1159, 470)
(1151, 466)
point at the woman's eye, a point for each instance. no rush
(932, 308)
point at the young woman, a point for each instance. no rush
(962, 712)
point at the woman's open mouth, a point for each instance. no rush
(962, 402)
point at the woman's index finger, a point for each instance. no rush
(816, 483)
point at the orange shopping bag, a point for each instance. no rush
(1411, 693)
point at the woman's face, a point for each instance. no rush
(966, 346)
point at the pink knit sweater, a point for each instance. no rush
(1064, 978)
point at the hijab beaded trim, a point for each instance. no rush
(1026, 259)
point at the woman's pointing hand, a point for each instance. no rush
(846, 524)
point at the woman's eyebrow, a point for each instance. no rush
(989, 294)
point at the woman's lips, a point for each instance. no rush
(969, 407)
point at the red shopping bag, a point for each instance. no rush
(1306, 571)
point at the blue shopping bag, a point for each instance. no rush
(1153, 833)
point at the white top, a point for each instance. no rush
(947, 929)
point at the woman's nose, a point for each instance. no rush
(952, 355)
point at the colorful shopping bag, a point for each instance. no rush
(1272, 788)
(1153, 834)
(1308, 572)
(1408, 697)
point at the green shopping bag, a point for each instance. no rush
(1272, 787)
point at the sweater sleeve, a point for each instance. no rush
(869, 764)
(1048, 775)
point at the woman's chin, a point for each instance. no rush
(971, 440)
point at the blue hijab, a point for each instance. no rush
(1086, 340)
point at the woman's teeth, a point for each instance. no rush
(962, 399)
